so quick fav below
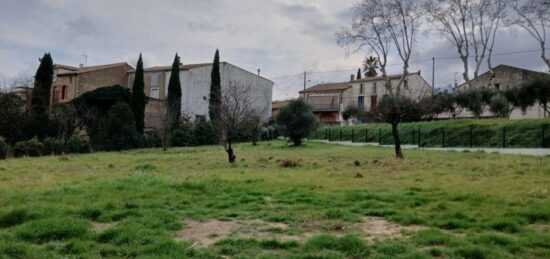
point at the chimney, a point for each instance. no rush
(258, 72)
(352, 76)
(80, 65)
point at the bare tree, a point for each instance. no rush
(382, 25)
(67, 120)
(533, 16)
(470, 25)
(238, 114)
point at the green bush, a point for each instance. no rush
(298, 120)
(53, 146)
(77, 145)
(120, 131)
(204, 133)
(3, 148)
(152, 140)
(31, 147)
(182, 136)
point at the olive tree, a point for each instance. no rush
(297, 120)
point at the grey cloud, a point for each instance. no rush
(80, 27)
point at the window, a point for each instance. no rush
(361, 101)
(55, 75)
(497, 87)
(361, 88)
(406, 83)
(154, 92)
(154, 79)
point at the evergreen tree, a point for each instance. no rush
(40, 102)
(138, 100)
(215, 89)
(358, 74)
(174, 94)
(120, 129)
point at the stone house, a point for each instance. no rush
(70, 82)
(505, 77)
(329, 100)
(195, 84)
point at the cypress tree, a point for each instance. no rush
(358, 74)
(138, 100)
(174, 93)
(40, 102)
(215, 89)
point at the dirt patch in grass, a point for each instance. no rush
(100, 227)
(377, 228)
(206, 233)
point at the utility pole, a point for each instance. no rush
(304, 80)
(433, 75)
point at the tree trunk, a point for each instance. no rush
(230, 154)
(254, 135)
(396, 141)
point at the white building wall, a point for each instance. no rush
(195, 84)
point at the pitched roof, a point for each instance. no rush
(81, 70)
(169, 68)
(328, 87)
(498, 67)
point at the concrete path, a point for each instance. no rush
(509, 151)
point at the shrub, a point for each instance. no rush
(152, 140)
(298, 120)
(182, 136)
(120, 129)
(77, 145)
(204, 133)
(53, 146)
(500, 106)
(3, 148)
(31, 147)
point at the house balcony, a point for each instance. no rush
(325, 107)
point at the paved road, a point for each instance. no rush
(510, 151)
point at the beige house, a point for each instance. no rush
(331, 99)
(70, 82)
(505, 77)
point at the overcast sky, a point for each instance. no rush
(281, 37)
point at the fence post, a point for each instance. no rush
(504, 137)
(340, 133)
(419, 139)
(471, 135)
(366, 135)
(329, 135)
(352, 131)
(414, 136)
(380, 136)
(443, 137)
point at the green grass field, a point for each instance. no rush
(455, 133)
(140, 204)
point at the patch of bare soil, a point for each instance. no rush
(99, 226)
(206, 233)
(377, 228)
